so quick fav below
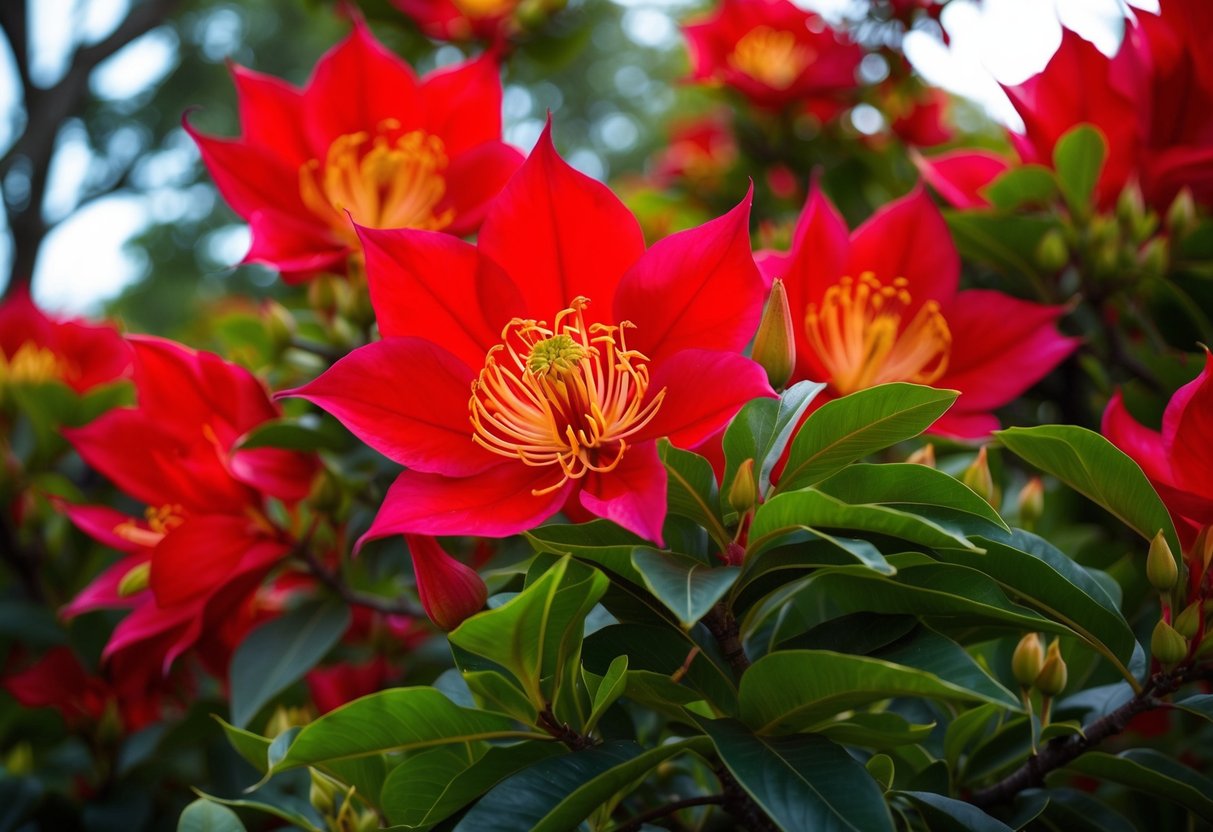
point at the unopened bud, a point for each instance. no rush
(734, 554)
(1166, 645)
(923, 456)
(1161, 570)
(135, 580)
(1202, 549)
(322, 293)
(279, 325)
(1052, 253)
(978, 477)
(1155, 257)
(323, 793)
(368, 821)
(1031, 503)
(284, 718)
(775, 342)
(1181, 216)
(1130, 206)
(1052, 678)
(1027, 660)
(743, 493)
(1188, 621)
(450, 591)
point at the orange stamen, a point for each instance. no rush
(859, 335)
(160, 521)
(32, 364)
(570, 395)
(771, 56)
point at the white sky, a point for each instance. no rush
(83, 262)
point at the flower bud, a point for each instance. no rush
(734, 554)
(323, 793)
(279, 325)
(978, 477)
(1130, 206)
(743, 493)
(322, 293)
(1154, 257)
(923, 456)
(1202, 549)
(1052, 253)
(1166, 645)
(1031, 503)
(450, 591)
(1027, 660)
(1181, 216)
(1160, 564)
(1188, 621)
(775, 342)
(1051, 680)
(135, 580)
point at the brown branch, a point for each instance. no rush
(1063, 750)
(334, 581)
(634, 824)
(572, 740)
(723, 627)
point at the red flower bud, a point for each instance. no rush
(449, 590)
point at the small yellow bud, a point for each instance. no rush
(978, 477)
(923, 456)
(1031, 503)
(1160, 564)
(1181, 216)
(1028, 659)
(135, 580)
(1052, 253)
(1188, 621)
(743, 493)
(775, 342)
(1052, 678)
(1166, 645)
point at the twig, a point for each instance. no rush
(572, 740)
(670, 808)
(351, 596)
(723, 627)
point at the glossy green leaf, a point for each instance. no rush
(761, 429)
(1151, 772)
(431, 786)
(204, 816)
(607, 691)
(252, 747)
(1004, 242)
(691, 489)
(293, 434)
(852, 427)
(687, 587)
(1095, 467)
(296, 819)
(878, 730)
(946, 814)
(399, 719)
(1072, 810)
(802, 782)
(600, 542)
(1022, 185)
(794, 690)
(495, 692)
(1200, 704)
(1078, 158)
(926, 650)
(277, 654)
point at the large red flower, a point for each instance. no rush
(37, 348)
(205, 540)
(772, 52)
(362, 140)
(1179, 459)
(1152, 101)
(541, 365)
(882, 304)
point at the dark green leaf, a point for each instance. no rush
(879, 730)
(290, 434)
(1201, 704)
(1003, 242)
(948, 815)
(1151, 772)
(761, 429)
(1078, 158)
(691, 489)
(938, 655)
(204, 816)
(296, 819)
(252, 747)
(1022, 185)
(1074, 811)
(687, 587)
(599, 542)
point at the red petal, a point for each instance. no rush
(463, 104)
(99, 523)
(102, 592)
(449, 590)
(1187, 430)
(1001, 346)
(473, 181)
(250, 178)
(357, 85)
(908, 238)
(1145, 446)
(298, 246)
(632, 495)
(283, 474)
(494, 503)
(271, 116)
(198, 556)
(960, 175)
(408, 399)
(559, 234)
(427, 284)
(695, 289)
(704, 390)
(964, 425)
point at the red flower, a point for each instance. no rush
(772, 52)
(362, 140)
(881, 304)
(700, 150)
(579, 348)
(920, 120)
(335, 685)
(37, 348)
(449, 590)
(1153, 102)
(1179, 459)
(205, 541)
(460, 19)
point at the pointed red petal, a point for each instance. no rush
(960, 175)
(473, 181)
(463, 104)
(102, 592)
(250, 178)
(1187, 430)
(271, 115)
(1145, 446)
(633, 494)
(198, 556)
(298, 246)
(908, 238)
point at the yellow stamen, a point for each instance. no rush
(160, 521)
(484, 8)
(771, 56)
(389, 180)
(570, 396)
(859, 334)
(32, 364)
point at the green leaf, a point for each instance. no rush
(433, 785)
(400, 719)
(691, 489)
(1022, 185)
(495, 692)
(846, 429)
(1078, 158)
(1200, 704)
(687, 587)
(204, 816)
(1093, 466)
(277, 654)
(299, 821)
(761, 429)
(536, 635)
(794, 690)
(599, 542)
(1076, 811)
(608, 690)
(252, 747)
(948, 815)
(999, 240)
(1151, 772)
(802, 782)
(295, 434)
(879, 730)
(926, 650)
(813, 510)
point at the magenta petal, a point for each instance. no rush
(964, 425)
(1145, 446)
(102, 592)
(960, 176)
(633, 495)
(908, 238)
(1187, 430)
(497, 502)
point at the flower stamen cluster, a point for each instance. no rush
(771, 56)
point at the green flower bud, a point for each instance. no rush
(323, 793)
(978, 477)
(1052, 253)
(135, 580)
(1166, 645)
(1160, 564)
(1031, 503)
(1130, 206)
(1155, 257)
(743, 493)
(322, 293)
(1028, 659)
(923, 456)
(1181, 216)
(1053, 675)
(279, 325)
(1188, 621)
(775, 342)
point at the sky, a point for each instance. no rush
(83, 262)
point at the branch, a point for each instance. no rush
(723, 627)
(334, 581)
(572, 740)
(1063, 750)
(640, 820)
